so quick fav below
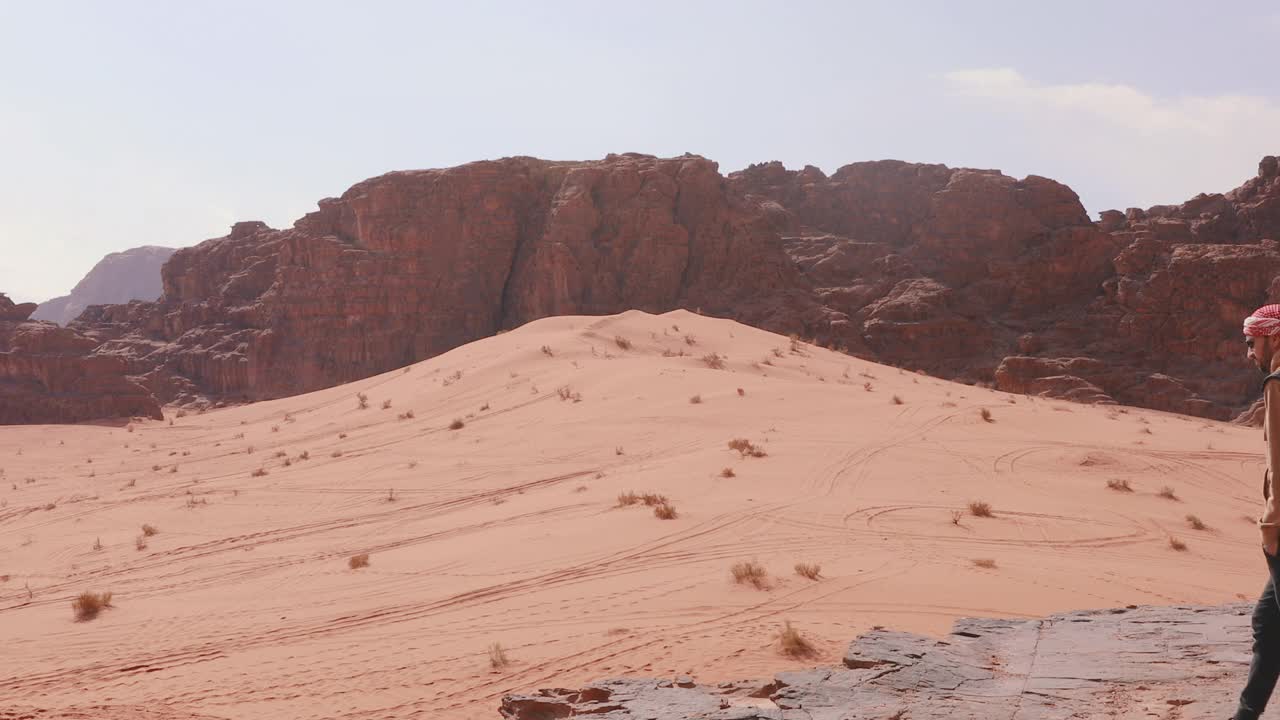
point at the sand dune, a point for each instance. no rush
(507, 530)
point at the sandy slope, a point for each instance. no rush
(506, 530)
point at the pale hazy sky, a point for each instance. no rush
(131, 123)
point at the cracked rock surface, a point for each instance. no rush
(1173, 663)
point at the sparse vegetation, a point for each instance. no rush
(746, 447)
(362, 401)
(406, 415)
(89, 604)
(715, 361)
(1167, 493)
(897, 400)
(457, 424)
(978, 508)
(867, 386)
(1196, 523)
(728, 473)
(97, 544)
(149, 530)
(741, 392)
(1119, 485)
(259, 472)
(809, 570)
(305, 455)
(665, 511)
(355, 562)
(498, 657)
(622, 342)
(386, 404)
(275, 428)
(695, 400)
(335, 454)
(546, 350)
(690, 340)
(985, 414)
(956, 515)
(391, 495)
(140, 543)
(985, 563)
(792, 644)
(1177, 544)
(652, 499)
(617, 450)
(566, 393)
(627, 498)
(752, 572)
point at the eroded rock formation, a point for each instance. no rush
(50, 374)
(119, 277)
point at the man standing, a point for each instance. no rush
(1262, 337)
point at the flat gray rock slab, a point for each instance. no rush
(1168, 663)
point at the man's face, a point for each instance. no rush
(1260, 351)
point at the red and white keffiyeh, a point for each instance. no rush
(1264, 321)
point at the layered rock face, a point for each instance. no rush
(133, 274)
(412, 264)
(50, 374)
(968, 274)
(973, 275)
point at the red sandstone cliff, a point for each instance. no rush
(49, 374)
(964, 273)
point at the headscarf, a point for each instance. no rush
(1264, 321)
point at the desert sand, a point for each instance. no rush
(508, 529)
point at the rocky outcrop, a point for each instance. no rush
(411, 264)
(967, 274)
(117, 278)
(1135, 662)
(50, 374)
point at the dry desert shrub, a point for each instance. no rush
(1167, 493)
(498, 657)
(280, 453)
(956, 515)
(1119, 485)
(275, 428)
(140, 543)
(690, 340)
(1177, 544)
(622, 342)
(546, 350)
(792, 644)
(386, 404)
(652, 499)
(336, 454)
(149, 530)
(695, 400)
(897, 400)
(665, 511)
(715, 361)
(457, 424)
(355, 562)
(306, 455)
(978, 508)
(741, 392)
(617, 450)
(89, 604)
(985, 414)
(406, 415)
(728, 473)
(627, 498)
(985, 563)
(746, 447)
(342, 436)
(362, 401)
(1196, 523)
(750, 571)
(259, 472)
(809, 570)
(566, 393)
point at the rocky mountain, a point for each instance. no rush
(133, 274)
(50, 374)
(966, 274)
